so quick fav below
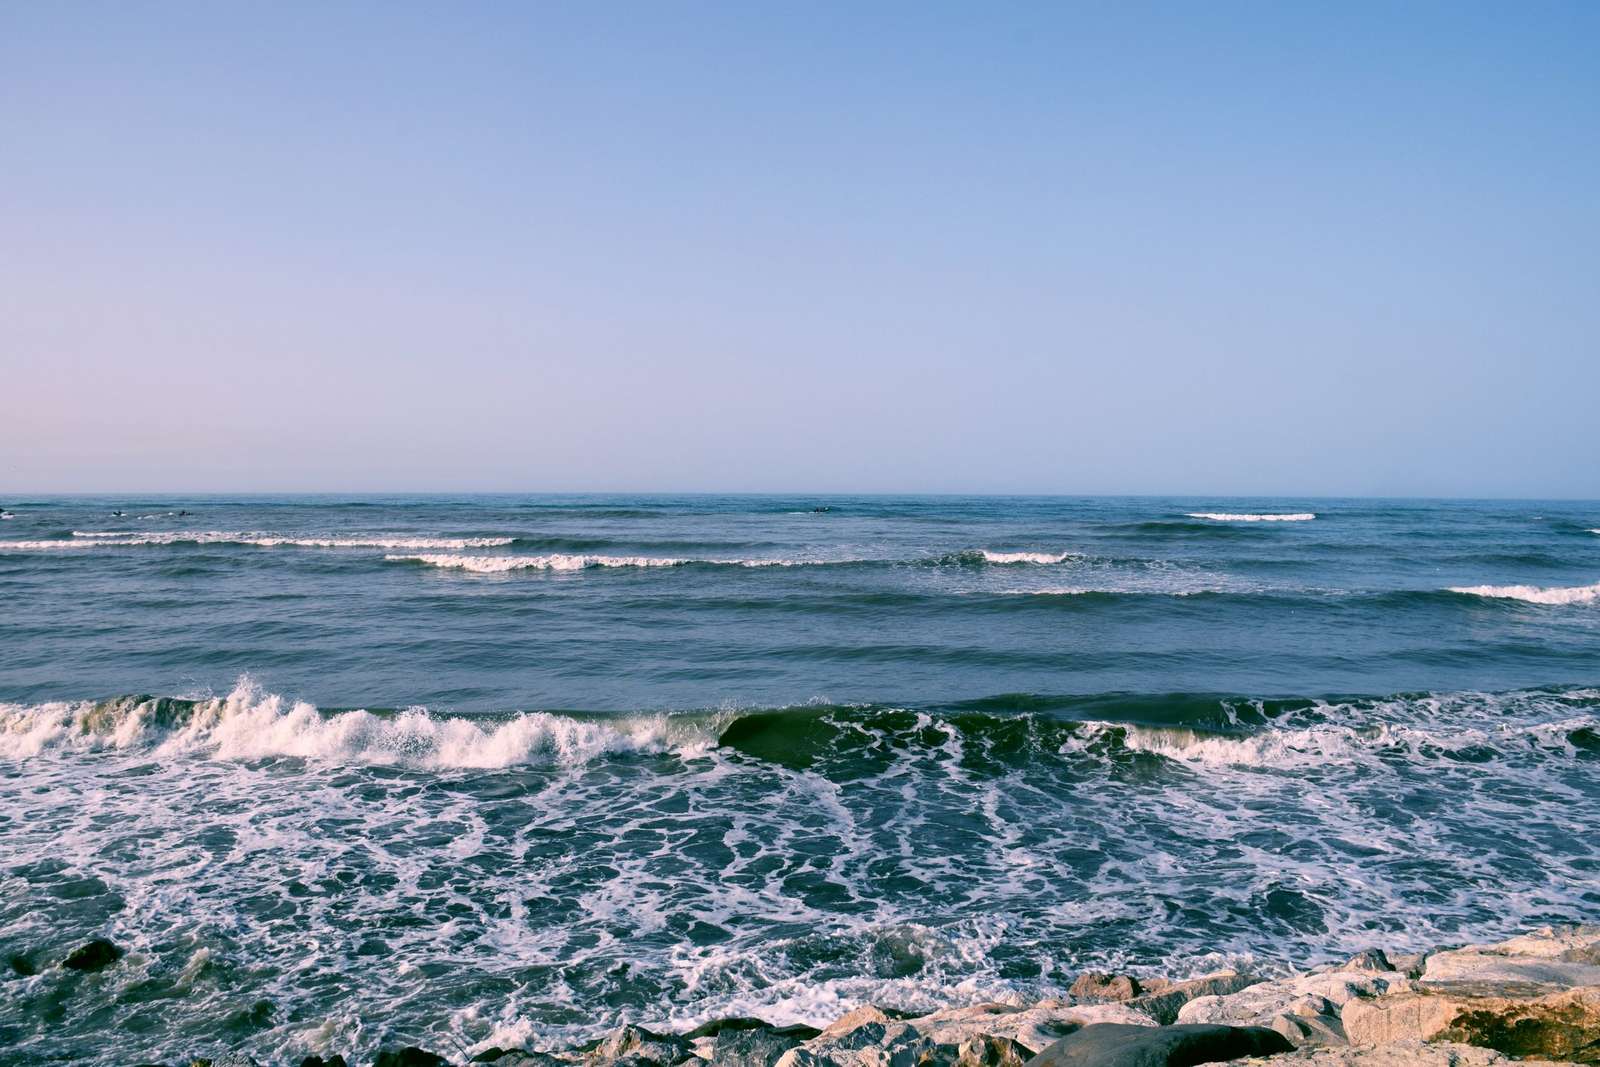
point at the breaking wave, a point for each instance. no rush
(578, 562)
(1192, 730)
(114, 539)
(1533, 594)
(1228, 516)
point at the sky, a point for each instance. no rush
(1244, 248)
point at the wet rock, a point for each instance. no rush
(635, 1044)
(1401, 1054)
(1562, 1026)
(410, 1056)
(319, 1061)
(747, 1042)
(517, 1057)
(21, 964)
(94, 955)
(1114, 1045)
(1097, 986)
(1164, 1006)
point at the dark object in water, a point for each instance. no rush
(1125, 1045)
(22, 965)
(410, 1056)
(819, 510)
(335, 1060)
(95, 955)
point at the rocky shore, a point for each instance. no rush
(1533, 999)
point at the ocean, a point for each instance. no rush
(347, 771)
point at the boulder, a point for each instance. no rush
(409, 1056)
(1304, 995)
(747, 1042)
(1115, 1045)
(1563, 1025)
(983, 1035)
(1400, 1054)
(320, 1061)
(22, 965)
(94, 955)
(635, 1044)
(1551, 958)
(1163, 1006)
(1097, 986)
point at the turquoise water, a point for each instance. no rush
(347, 771)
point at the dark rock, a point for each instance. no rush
(22, 965)
(335, 1060)
(1097, 986)
(741, 1045)
(1121, 1045)
(410, 1056)
(1164, 1006)
(96, 955)
(517, 1057)
(744, 1022)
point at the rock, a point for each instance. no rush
(1115, 1045)
(1306, 995)
(850, 1020)
(747, 1042)
(318, 1061)
(987, 1051)
(94, 955)
(635, 1044)
(1097, 986)
(22, 965)
(1401, 1054)
(1164, 1006)
(1323, 1028)
(518, 1057)
(1554, 959)
(1564, 1025)
(1371, 959)
(410, 1056)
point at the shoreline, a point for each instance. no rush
(1534, 998)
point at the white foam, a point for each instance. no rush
(1533, 594)
(566, 562)
(1228, 516)
(555, 562)
(251, 724)
(1026, 557)
(129, 539)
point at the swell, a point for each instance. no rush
(1175, 730)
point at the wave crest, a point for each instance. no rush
(1533, 594)
(1229, 516)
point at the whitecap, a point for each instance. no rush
(1228, 516)
(1533, 594)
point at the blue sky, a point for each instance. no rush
(1223, 248)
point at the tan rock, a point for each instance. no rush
(1098, 986)
(1553, 958)
(1401, 1054)
(1564, 1025)
(1306, 994)
(1164, 1006)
